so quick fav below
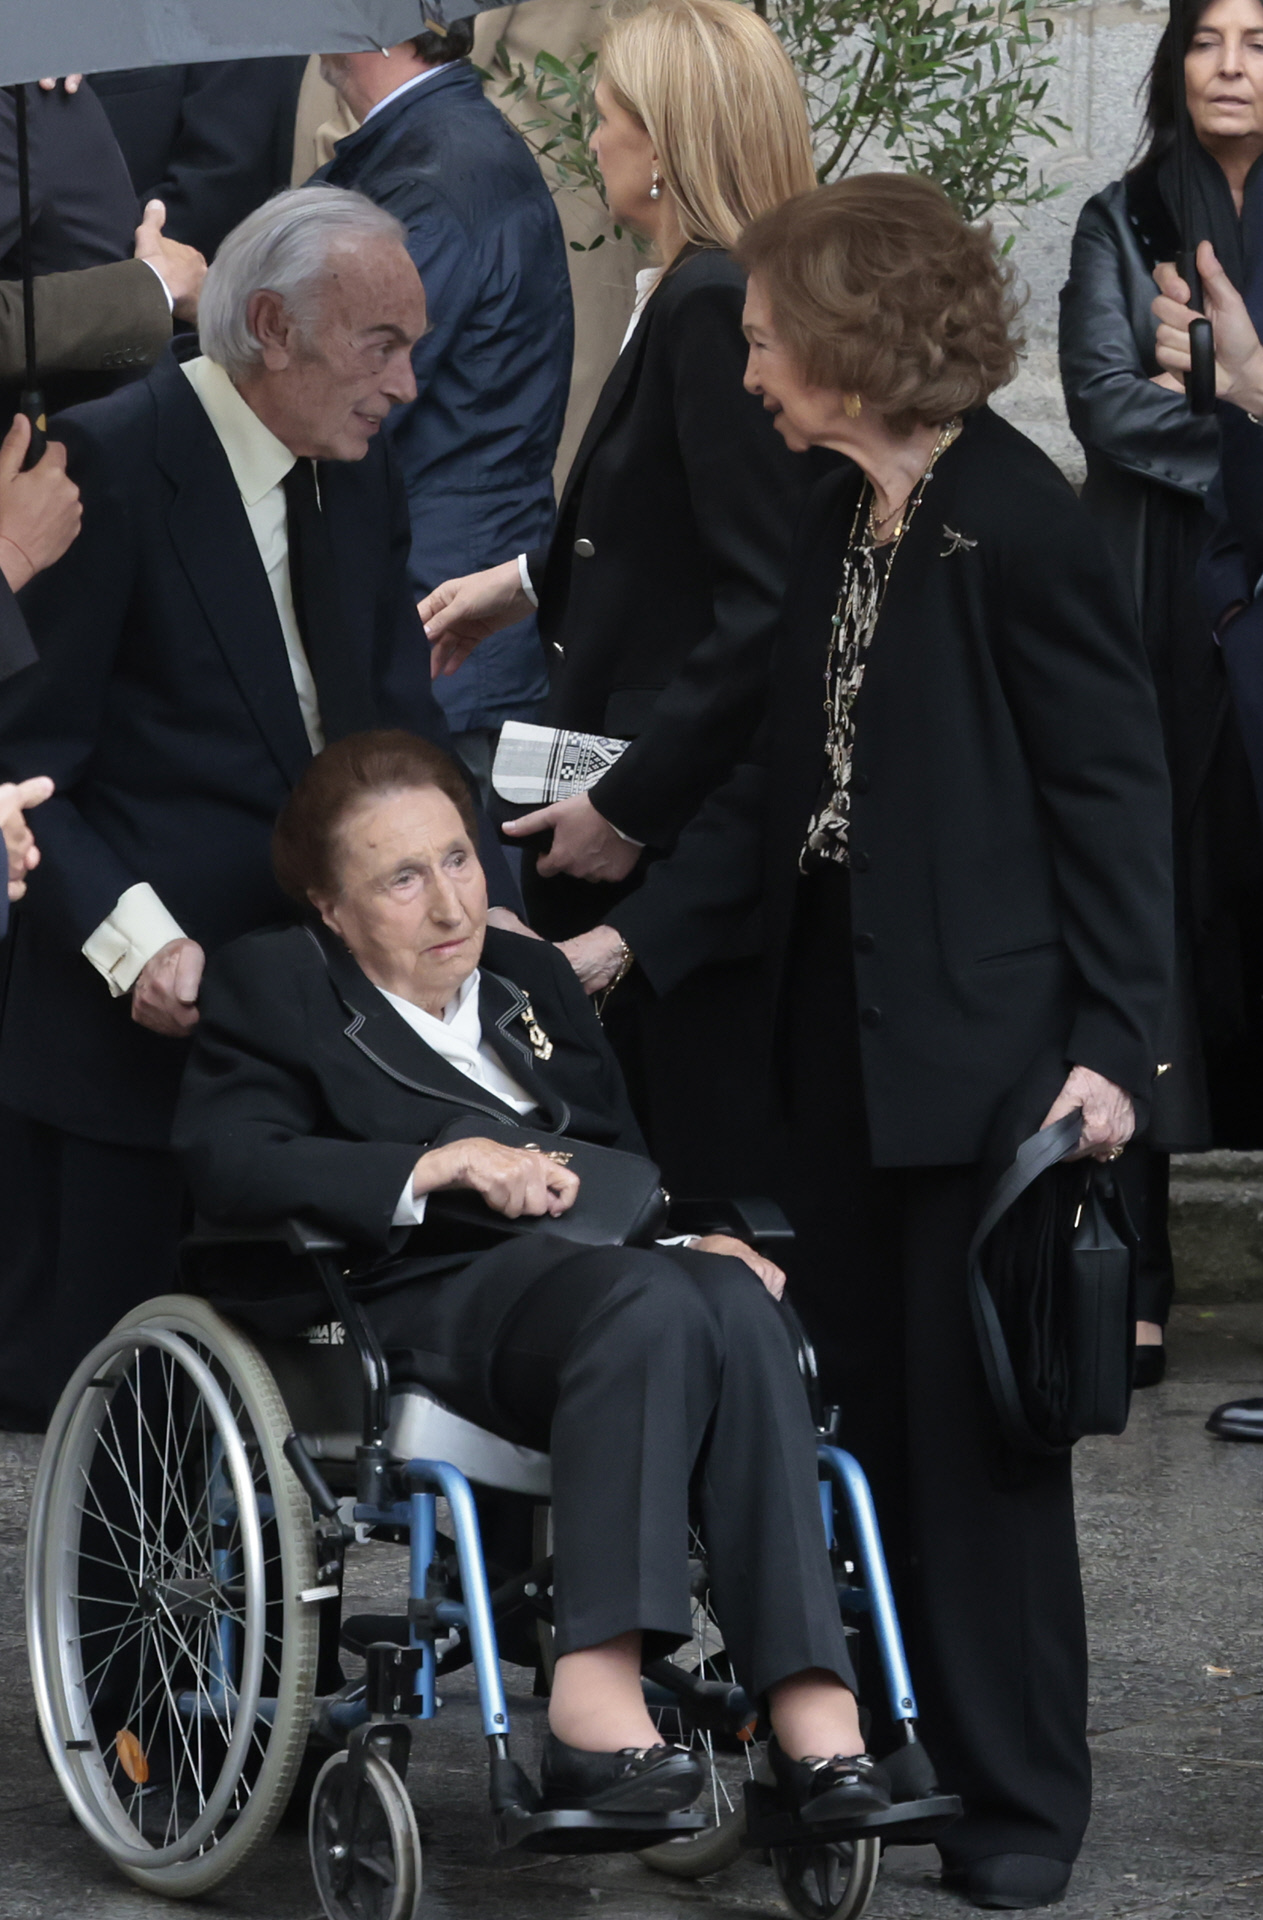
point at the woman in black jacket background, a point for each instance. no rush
(659, 593)
(1150, 462)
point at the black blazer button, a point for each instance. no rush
(860, 862)
(584, 549)
(871, 1016)
(859, 782)
(864, 943)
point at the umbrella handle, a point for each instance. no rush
(1199, 383)
(32, 405)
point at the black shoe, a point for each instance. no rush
(1149, 1367)
(1010, 1880)
(1237, 1420)
(821, 1792)
(635, 1780)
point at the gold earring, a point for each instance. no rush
(852, 405)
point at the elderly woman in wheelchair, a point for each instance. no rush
(385, 1073)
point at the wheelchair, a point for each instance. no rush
(196, 1497)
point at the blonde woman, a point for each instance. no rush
(659, 592)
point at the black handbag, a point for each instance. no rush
(1052, 1288)
(620, 1202)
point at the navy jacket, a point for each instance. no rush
(212, 141)
(493, 372)
(164, 708)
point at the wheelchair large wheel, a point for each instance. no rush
(365, 1850)
(170, 1574)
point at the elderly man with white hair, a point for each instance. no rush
(238, 597)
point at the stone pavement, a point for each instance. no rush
(1172, 1531)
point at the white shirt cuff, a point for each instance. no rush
(409, 1211)
(162, 283)
(524, 575)
(128, 939)
(678, 1240)
(622, 836)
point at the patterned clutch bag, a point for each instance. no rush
(536, 765)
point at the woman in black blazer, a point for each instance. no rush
(327, 1063)
(658, 596)
(957, 833)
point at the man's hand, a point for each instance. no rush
(39, 510)
(1109, 1119)
(164, 998)
(512, 1180)
(16, 800)
(595, 956)
(71, 82)
(461, 613)
(584, 844)
(1238, 354)
(182, 269)
(770, 1274)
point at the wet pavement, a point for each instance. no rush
(1171, 1525)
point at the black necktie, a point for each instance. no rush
(342, 684)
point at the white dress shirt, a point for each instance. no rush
(139, 925)
(457, 1038)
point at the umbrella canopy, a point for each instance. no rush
(90, 36)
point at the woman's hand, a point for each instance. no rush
(1238, 353)
(510, 922)
(512, 1180)
(461, 613)
(39, 509)
(596, 957)
(1109, 1119)
(584, 844)
(16, 800)
(770, 1274)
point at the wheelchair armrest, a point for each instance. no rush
(300, 1236)
(756, 1220)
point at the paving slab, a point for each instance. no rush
(1171, 1526)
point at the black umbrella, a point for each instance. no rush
(87, 36)
(1199, 383)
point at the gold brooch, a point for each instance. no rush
(541, 1045)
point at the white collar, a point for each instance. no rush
(418, 80)
(459, 1020)
(259, 461)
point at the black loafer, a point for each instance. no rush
(1011, 1880)
(1237, 1420)
(634, 1780)
(822, 1792)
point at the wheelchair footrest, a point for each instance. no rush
(769, 1823)
(570, 1830)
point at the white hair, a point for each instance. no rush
(283, 247)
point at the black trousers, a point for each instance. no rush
(90, 1230)
(981, 1543)
(657, 1379)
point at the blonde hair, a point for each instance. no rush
(714, 89)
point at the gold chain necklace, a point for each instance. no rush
(949, 433)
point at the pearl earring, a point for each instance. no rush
(655, 191)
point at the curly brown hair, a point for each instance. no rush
(360, 767)
(878, 287)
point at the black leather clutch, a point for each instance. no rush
(620, 1202)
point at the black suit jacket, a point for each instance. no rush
(306, 1093)
(212, 140)
(164, 708)
(1010, 811)
(688, 499)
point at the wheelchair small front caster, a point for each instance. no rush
(833, 1882)
(365, 1849)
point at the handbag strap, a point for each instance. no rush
(1034, 1157)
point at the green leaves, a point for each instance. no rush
(956, 89)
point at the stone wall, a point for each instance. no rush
(1104, 50)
